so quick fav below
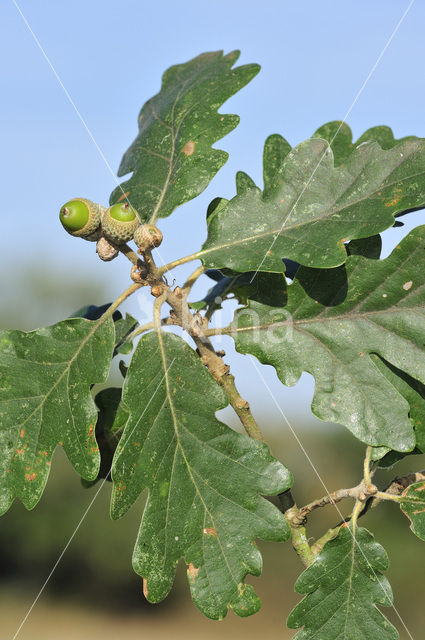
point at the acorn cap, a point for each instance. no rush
(119, 222)
(80, 217)
(147, 236)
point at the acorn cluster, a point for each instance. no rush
(116, 225)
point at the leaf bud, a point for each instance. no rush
(147, 237)
(105, 250)
(156, 290)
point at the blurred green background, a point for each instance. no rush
(110, 55)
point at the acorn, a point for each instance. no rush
(147, 237)
(119, 222)
(81, 217)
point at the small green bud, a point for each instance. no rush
(119, 222)
(147, 236)
(80, 217)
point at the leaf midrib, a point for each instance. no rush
(320, 319)
(283, 228)
(176, 430)
(174, 134)
(65, 371)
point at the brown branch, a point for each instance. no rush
(194, 325)
(191, 280)
(218, 369)
(395, 488)
(331, 498)
(129, 254)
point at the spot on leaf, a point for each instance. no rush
(192, 571)
(189, 148)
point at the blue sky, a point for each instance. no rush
(110, 56)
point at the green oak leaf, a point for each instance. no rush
(45, 400)
(412, 503)
(316, 207)
(269, 288)
(172, 159)
(275, 151)
(123, 325)
(334, 320)
(204, 481)
(244, 183)
(414, 392)
(340, 138)
(343, 586)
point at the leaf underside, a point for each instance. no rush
(45, 400)
(309, 208)
(334, 321)
(270, 288)
(343, 586)
(172, 159)
(204, 481)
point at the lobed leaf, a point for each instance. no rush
(414, 393)
(413, 506)
(45, 400)
(334, 320)
(204, 481)
(123, 325)
(340, 138)
(343, 586)
(172, 159)
(313, 207)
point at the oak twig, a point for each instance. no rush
(395, 489)
(330, 534)
(219, 370)
(177, 263)
(193, 324)
(126, 294)
(366, 467)
(191, 280)
(299, 538)
(165, 322)
(330, 498)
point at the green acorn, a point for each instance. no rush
(80, 217)
(119, 222)
(147, 236)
